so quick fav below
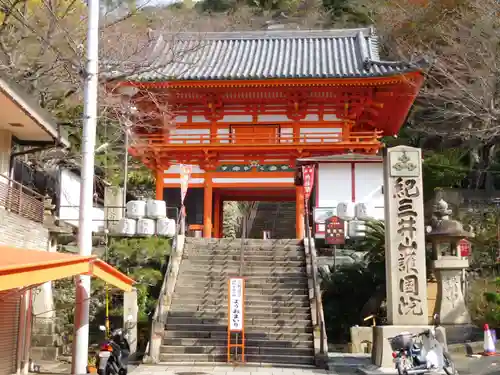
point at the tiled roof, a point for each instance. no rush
(347, 53)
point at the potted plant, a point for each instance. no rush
(91, 365)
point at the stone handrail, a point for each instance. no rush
(320, 337)
(165, 298)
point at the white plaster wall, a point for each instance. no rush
(192, 136)
(253, 180)
(223, 132)
(311, 117)
(286, 135)
(69, 202)
(236, 118)
(330, 118)
(180, 119)
(324, 132)
(334, 184)
(178, 181)
(273, 118)
(199, 119)
(177, 169)
(369, 180)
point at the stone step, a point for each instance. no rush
(217, 358)
(259, 329)
(249, 292)
(248, 342)
(238, 244)
(184, 283)
(222, 349)
(217, 309)
(248, 267)
(254, 261)
(248, 241)
(237, 247)
(253, 282)
(222, 334)
(202, 304)
(247, 254)
(265, 255)
(249, 321)
(262, 273)
(303, 315)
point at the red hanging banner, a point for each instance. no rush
(308, 178)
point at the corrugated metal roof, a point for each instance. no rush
(256, 55)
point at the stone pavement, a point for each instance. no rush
(224, 370)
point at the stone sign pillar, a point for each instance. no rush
(130, 315)
(406, 278)
(405, 237)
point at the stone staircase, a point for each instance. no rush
(276, 217)
(278, 322)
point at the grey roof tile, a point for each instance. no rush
(346, 53)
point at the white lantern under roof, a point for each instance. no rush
(357, 229)
(364, 211)
(345, 210)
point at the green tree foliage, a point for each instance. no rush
(374, 242)
(345, 293)
(443, 169)
(485, 224)
(144, 260)
(348, 290)
(484, 302)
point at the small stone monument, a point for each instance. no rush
(448, 266)
(406, 276)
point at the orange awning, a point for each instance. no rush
(20, 268)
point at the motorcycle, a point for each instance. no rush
(414, 357)
(112, 358)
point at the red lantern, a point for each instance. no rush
(464, 247)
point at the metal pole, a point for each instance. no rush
(334, 259)
(125, 170)
(81, 340)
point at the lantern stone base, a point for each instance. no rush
(382, 352)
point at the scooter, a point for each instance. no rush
(112, 358)
(413, 357)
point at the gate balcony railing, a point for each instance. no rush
(228, 140)
(21, 200)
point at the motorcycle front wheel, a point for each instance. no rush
(402, 366)
(449, 366)
(400, 370)
(107, 371)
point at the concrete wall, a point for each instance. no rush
(17, 231)
(5, 150)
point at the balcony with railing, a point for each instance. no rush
(254, 141)
(21, 200)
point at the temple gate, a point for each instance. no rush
(244, 106)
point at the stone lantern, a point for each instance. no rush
(448, 266)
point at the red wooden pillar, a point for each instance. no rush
(159, 184)
(217, 215)
(207, 207)
(299, 212)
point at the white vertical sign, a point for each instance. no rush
(236, 304)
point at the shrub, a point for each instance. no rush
(484, 302)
